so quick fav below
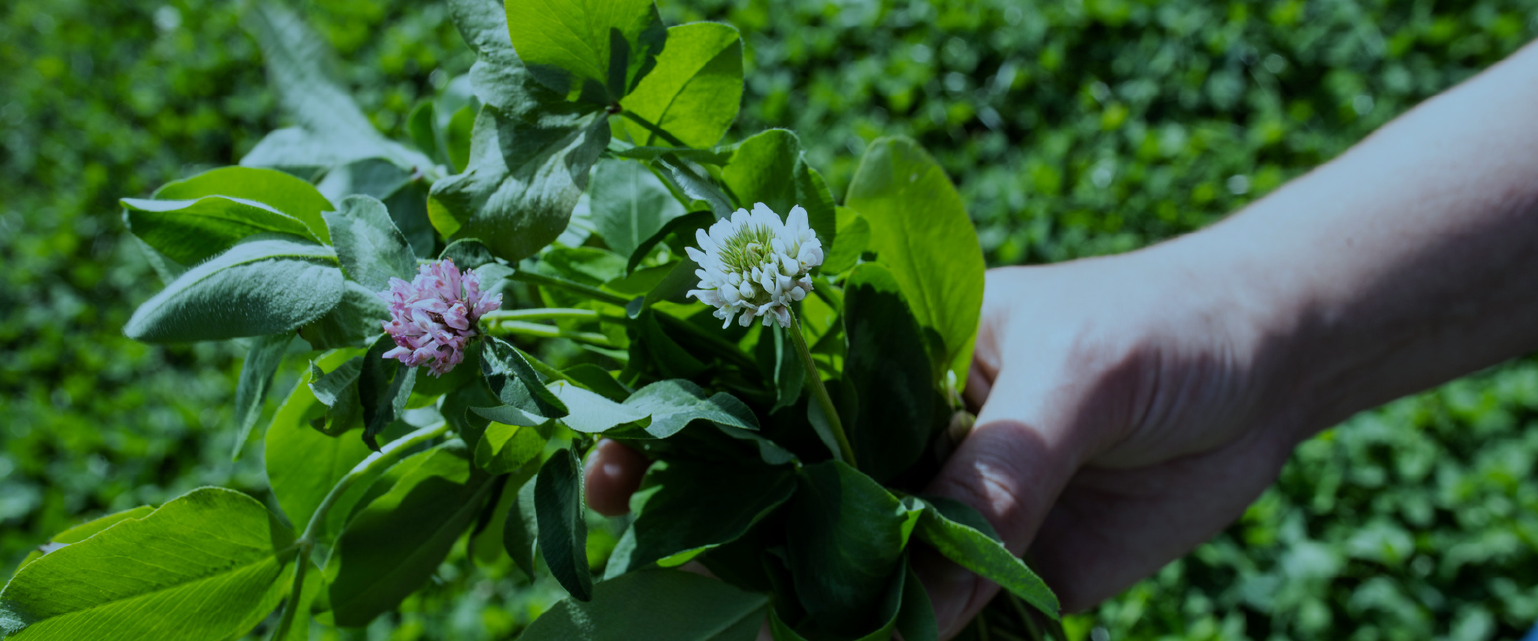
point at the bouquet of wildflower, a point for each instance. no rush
(561, 253)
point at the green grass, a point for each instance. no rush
(1072, 128)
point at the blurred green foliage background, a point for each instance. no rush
(1072, 129)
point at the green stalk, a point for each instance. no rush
(539, 330)
(541, 313)
(389, 455)
(291, 606)
(719, 345)
(846, 451)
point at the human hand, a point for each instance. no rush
(1127, 415)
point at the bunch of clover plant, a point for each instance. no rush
(561, 252)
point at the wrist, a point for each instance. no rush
(1233, 283)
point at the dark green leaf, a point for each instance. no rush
(597, 379)
(920, 230)
(696, 88)
(567, 43)
(206, 565)
(853, 239)
(781, 363)
(768, 168)
(666, 604)
(563, 524)
(916, 620)
(652, 345)
(687, 181)
(887, 372)
(487, 541)
(885, 620)
(629, 204)
(981, 551)
(523, 180)
(683, 226)
(259, 287)
(393, 546)
(520, 534)
(847, 546)
(698, 506)
(500, 359)
(587, 265)
(468, 253)
(332, 387)
(371, 249)
(384, 385)
(779, 630)
(302, 463)
(673, 404)
(255, 379)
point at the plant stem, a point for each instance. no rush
(821, 392)
(542, 313)
(655, 130)
(720, 345)
(291, 605)
(539, 330)
(586, 290)
(389, 455)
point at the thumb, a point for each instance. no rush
(1011, 469)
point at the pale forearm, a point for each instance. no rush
(1410, 260)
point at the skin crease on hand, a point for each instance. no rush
(1132, 406)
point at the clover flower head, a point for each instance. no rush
(432, 318)
(756, 264)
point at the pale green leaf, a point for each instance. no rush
(264, 285)
(370, 248)
(695, 90)
(920, 230)
(628, 204)
(591, 413)
(523, 179)
(195, 218)
(504, 448)
(962, 535)
(673, 404)
(769, 168)
(84, 531)
(332, 129)
(569, 43)
(206, 565)
(354, 322)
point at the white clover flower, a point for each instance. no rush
(756, 264)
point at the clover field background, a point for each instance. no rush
(1072, 129)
